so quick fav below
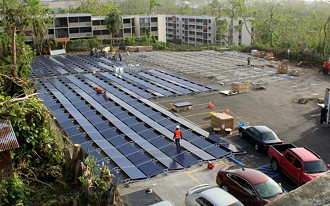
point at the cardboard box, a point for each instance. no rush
(282, 69)
(219, 119)
(269, 55)
(240, 87)
(261, 54)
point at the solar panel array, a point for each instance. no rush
(124, 130)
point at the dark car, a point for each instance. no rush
(260, 136)
(250, 186)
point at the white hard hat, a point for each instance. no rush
(177, 126)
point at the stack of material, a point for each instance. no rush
(269, 56)
(261, 54)
(222, 120)
(148, 48)
(283, 68)
(131, 48)
(241, 87)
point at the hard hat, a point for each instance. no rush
(177, 126)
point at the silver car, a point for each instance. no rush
(210, 195)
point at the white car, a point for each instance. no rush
(163, 203)
(210, 195)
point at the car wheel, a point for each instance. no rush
(240, 134)
(256, 147)
(224, 187)
(274, 164)
(325, 70)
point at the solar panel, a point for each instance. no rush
(224, 144)
(138, 158)
(159, 142)
(130, 121)
(71, 131)
(78, 139)
(117, 141)
(101, 126)
(139, 127)
(184, 159)
(201, 143)
(148, 135)
(150, 169)
(127, 149)
(216, 151)
(109, 133)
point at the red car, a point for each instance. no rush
(250, 186)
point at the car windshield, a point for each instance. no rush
(268, 136)
(268, 189)
(315, 166)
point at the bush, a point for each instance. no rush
(82, 44)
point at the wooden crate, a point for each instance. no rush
(269, 56)
(219, 119)
(240, 87)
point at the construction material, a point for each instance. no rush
(241, 87)
(269, 56)
(283, 68)
(181, 106)
(220, 119)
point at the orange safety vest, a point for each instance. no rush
(177, 134)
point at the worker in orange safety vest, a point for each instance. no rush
(177, 137)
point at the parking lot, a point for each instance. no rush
(276, 106)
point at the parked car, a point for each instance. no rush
(163, 203)
(298, 163)
(205, 194)
(250, 186)
(260, 136)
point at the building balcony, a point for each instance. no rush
(100, 27)
(127, 25)
(81, 35)
(80, 24)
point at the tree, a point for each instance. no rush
(152, 4)
(114, 23)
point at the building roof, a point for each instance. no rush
(8, 139)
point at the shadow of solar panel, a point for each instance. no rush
(78, 139)
(101, 126)
(201, 143)
(150, 169)
(159, 142)
(95, 120)
(184, 159)
(109, 133)
(71, 131)
(139, 127)
(167, 123)
(148, 135)
(127, 149)
(117, 141)
(123, 115)
(216, 151)
(130, 121)
(138, 158)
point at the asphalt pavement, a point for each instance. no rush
(277, 106)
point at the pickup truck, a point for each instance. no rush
(298, 163)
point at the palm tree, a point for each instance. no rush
(114, 23)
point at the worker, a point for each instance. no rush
(120, 56)
(248, 61)
(177, 137)
(324, 112)
(98, 89)
(127, 52)
(114, 55)
(106, 95)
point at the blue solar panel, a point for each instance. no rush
(167, 123)
(78, 139)
(130, 121)
(71, 131)
(139, 127)
(117, 141)
(216, 151)
(224, 144)
(184, 159)
(170, 150)
(67, 124)
(127, 149)
(95, 120)
(123, 115)
(150, 169)
(87, 146)
(148, 135)
(201, 143)
(138, 158)
(109, 133)
(160, 142)
(101, 126)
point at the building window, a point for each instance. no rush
(209, 20)
(126, 21)
(105, 32)
(85, 19)
(154, 28)
(85, 29)
(74, 30)
(73, 19)
(153, 19)
(127, 31)
(96, 22)
(61, 22)
(50, 31)
(97, 32)
(61, 33)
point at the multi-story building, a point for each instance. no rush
(241, 36)
(193, 30)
